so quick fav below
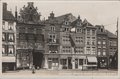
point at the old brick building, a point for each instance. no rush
(106, 47)
(67, 49)
(30, 39)
(102, 47)
(8, 40)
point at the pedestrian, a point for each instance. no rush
(33, 69)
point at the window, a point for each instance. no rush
(80, 61)
(93, 42)
(93, 37)
(79, 30)
(11, 38)
(88, 38)
(79, 40)
(104, 42)
(3, 49)
(88, 42)
(93, 32)
(66, 29)
(88, 50)
(66, 39)
(52, 38)
(3, 25)
(66, 23)
(99, 51)
(99, 42)
(52, 28)
(10, 26)
(3, 36)
(104, 52)
(93, 50)
(66, 49)
(63, 61)
(88, 31)
(10, 49)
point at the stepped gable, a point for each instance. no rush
(29, 14)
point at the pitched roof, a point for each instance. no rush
(111, 35)
(85, 22)
(61, 18)
(74, 23)
(7, 15)
(68, 16)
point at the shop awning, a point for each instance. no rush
(92, 59)
(8, 59)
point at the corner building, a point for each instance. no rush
(8, 40)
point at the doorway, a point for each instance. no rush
(37, 59)
(69, 62)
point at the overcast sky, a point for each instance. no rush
(96, 12)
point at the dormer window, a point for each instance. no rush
(66, 23)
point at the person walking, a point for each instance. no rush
(33, 69)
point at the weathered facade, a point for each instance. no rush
(30, 39)
(8, 40)
(68, 50)
(102, 47)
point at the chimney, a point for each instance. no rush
(4, 6)
(16, 12)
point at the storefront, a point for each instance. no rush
(91, 62)
(72, 62)
(53, 61)
(102, 62)
(8, 63)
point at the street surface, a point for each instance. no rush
(100, 72)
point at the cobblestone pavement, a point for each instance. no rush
(101, 72)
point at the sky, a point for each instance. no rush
(96, 12)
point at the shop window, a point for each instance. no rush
(80, 61)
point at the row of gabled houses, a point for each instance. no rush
(63, 42)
